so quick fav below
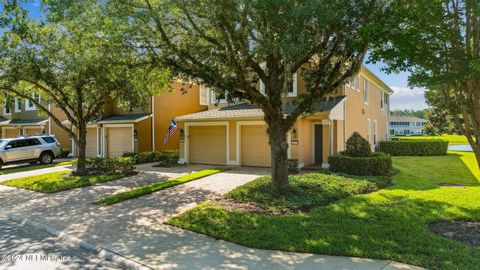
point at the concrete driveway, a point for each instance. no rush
(135, 228)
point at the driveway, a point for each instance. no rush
(135, 228)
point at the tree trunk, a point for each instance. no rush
(82, 144)
(279, 148)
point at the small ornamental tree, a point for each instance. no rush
(357, 146)
(232, 45)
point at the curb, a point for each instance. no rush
(103, 253)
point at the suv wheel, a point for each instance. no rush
(46, 158)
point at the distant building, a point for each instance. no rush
(407, 125)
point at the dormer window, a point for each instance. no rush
(7, 110)
(30, 105)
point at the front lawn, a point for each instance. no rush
(452, 139)
(306, 191)
(390, 224)
(58, 181)
(26, 168)
(148, 189)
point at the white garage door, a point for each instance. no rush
(208, 144)
(119, 141)
(255, 147)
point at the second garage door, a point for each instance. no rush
(208, 144)
(255, 147)
(119, 141)
(33, 131)
(91, 148)
(11, 133)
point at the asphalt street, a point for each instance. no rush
(23, 247)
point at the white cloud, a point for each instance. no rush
(407, 98)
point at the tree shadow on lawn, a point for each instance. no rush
(383, 227)
(431, 172)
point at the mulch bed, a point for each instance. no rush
(464, 231)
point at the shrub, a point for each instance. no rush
(375, 164)
(168, 157)
(123, 165)
(293, 166)
(357, 146)
(129, 154)
(64, 153)
(414, 148)
(147, 157)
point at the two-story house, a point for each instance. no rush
(143, 129)
(235, 134)
(407, 125)
(21, 117)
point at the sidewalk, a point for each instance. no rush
(135, 228)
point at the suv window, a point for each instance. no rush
(32, 141)
(48, 139)
(18, 143)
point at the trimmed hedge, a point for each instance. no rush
(414, 148)
(164, 157)
(124, 165)
(376, 164)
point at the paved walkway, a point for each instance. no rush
(135, 228)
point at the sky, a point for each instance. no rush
(403, 97)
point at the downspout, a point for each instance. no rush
(152, 106)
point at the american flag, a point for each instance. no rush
(172, 128)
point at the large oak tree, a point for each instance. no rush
(73, 56)
(229, 45)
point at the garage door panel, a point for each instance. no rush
(11, 133)
(91, 147)
(119, 141)
(255, 149)
(33, 131)
(208, 144)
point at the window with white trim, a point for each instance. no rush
(365, 91)
(354, 83)
(369, 130)
(382, 99)
(204, 95)
(18, 105)
(7, 110)
(292, 89)
(218, 97)
(30, 105)
(375, 132)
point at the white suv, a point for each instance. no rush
(31, 149)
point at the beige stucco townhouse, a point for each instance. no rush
(118, 131)
(20, 117)
(235, 134)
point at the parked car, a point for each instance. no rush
(32, 149)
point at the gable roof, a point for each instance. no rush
(25, 122)
(246, 110)
(124, 118)
(406, 119)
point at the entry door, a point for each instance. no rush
(318, 144)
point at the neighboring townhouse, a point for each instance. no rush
(235, 134)
(407, 125)
(143, 129)
(20, 117)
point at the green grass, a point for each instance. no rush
(306, 191)
(27, 168)
(145, 190)
(58, 181)
(389, 224)
(452, 139)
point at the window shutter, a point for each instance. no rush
(203, 95)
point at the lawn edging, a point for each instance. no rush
(148, 189)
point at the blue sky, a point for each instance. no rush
(402, 98)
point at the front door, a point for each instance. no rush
(318, 144)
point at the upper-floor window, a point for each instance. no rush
(204, 95)
(219, 96)
(7, 110)
(365, 91)
(354, 83)
(382, 99)
(292, 88)
(30, 105)
(18, 105)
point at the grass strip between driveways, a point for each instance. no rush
(58, 181)
(27, 168)
(145, 190)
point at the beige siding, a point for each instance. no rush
(207, 144)
(255, 149)
(33, 131)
